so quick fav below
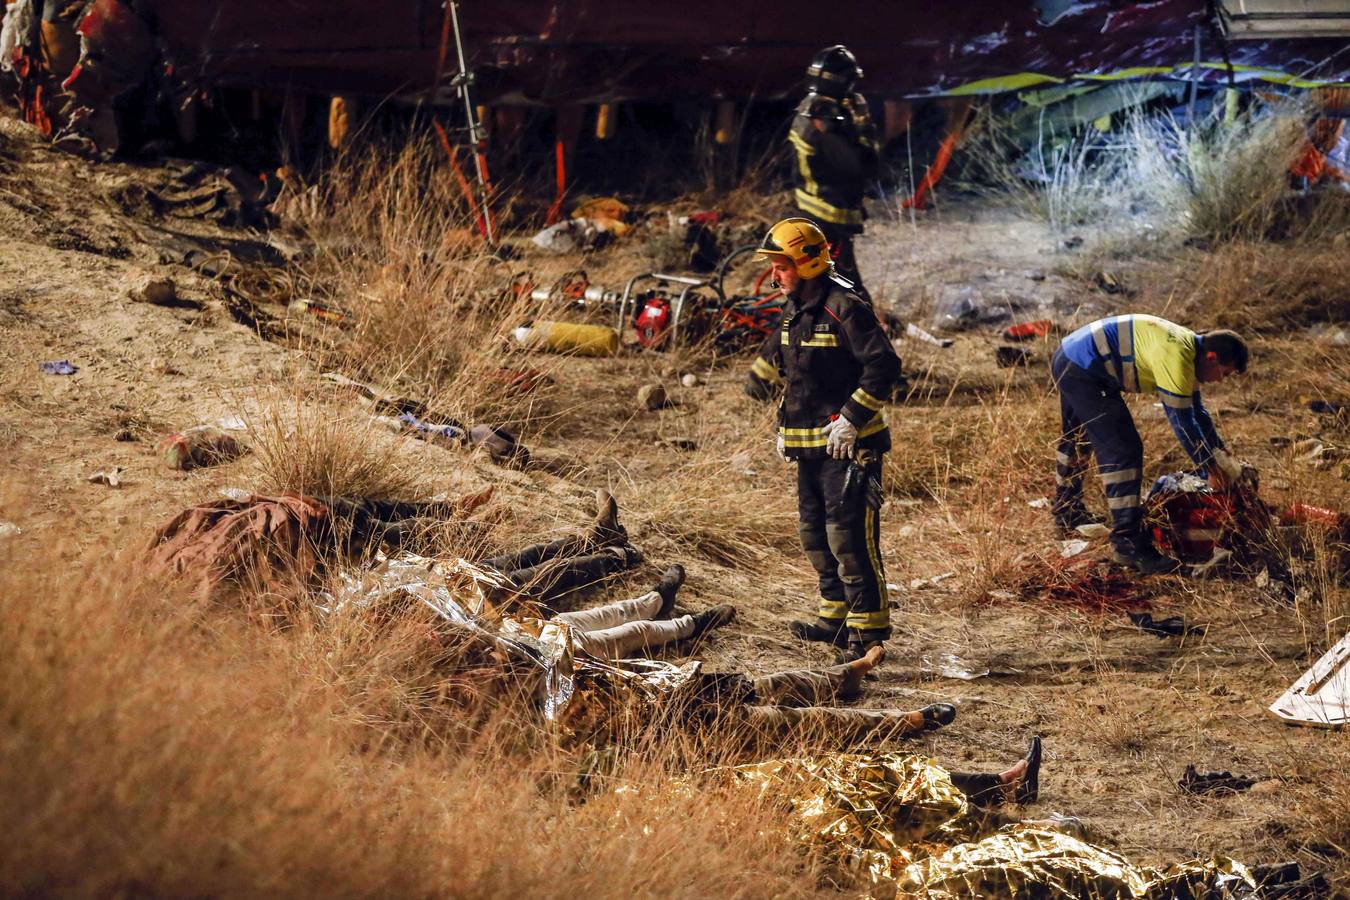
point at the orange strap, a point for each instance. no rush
(955, 128)
(459, 177)
(560, 166)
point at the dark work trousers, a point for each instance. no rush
(842, 539)
(547, 571)
(841, 253)
(1092, 407)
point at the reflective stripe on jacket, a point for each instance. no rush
(834, 165)
(834, 359)
(1144, 354)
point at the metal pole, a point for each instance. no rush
(472, 118)
(1195, 85)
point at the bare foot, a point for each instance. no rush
(856, 670)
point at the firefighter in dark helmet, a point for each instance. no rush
(836, 148)
(836, 367)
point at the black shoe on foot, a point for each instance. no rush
(936, 715)
(824, 634)
(667, 587)
(1146, 562)
(716, 617)
(607, 531)
(1030, 787)
(1070, 517)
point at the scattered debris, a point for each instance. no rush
(1326, 408)
(238, 495)
(689, 379)
(1285, 881)
(1007, 357)
(1321, 695)
(232, 423)
(1027, 331)
(323, 311)
(919, 583)
(1034, 274)
(1109, 283)
(443, 434)
(1172, 626)
(501, 445)
(1093, 530)
(914, 331)
(111, 477)
(949, 665)
(1072, 547)
(568, 337)
(1193, 782)
(652, 397)
(9, 530)
(59, 367)
(1039, 503)
(680, 443)
(573, 236)
(605, 213)
(199, 447)
(1072, 243)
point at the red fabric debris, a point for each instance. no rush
(1026, 331)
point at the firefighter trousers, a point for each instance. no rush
(1094, 418)
(841, 536)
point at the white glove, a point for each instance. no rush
(1228, 465)
(840, 436)
(782, 448)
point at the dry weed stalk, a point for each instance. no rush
(164, 747)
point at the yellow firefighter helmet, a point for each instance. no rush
(801, 241)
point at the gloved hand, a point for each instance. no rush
(1226, 469)
(840, 437)
(782, 448)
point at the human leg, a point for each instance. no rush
(550, 580)
(832, 609)
(813, 687)
(1071, 453)
(841, 726)
(853, 531)
(612, 615)
(631, 638)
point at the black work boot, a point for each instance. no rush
(607, 531)
(1070, 512)
(1134, 549)
(667, 587)
(716, 617)
(825, 631)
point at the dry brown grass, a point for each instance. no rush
(160, 747)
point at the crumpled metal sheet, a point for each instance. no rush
(579, 694)
(898, 824)
(1025, 862)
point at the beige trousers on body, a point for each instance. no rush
(626, 628)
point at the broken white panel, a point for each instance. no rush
(1321, 696)
(1281, 19)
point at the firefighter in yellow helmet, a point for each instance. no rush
(836, 150)
(837, 368)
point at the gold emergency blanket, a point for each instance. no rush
(897, 824)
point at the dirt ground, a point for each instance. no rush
(1122, 713)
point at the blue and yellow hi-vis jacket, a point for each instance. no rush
(1139, 354)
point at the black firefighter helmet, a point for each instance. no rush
(833, 72)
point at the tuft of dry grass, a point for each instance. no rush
(160, 747)
(305, 447)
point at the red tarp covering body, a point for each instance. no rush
(565, 51)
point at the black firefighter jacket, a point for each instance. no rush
(832, 358)
(834, 165)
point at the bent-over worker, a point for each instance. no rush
(1139, 354)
